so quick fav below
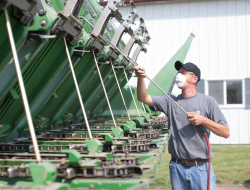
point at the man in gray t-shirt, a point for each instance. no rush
(187, 143)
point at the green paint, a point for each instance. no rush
(42, 173)
(165, 76)
(93, 145)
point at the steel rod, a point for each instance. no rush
(131, 92)
(77, 90)
(137, 65)
(22, 88)
(120, 91)
(83, 51)
(143, 107)
(103, 86)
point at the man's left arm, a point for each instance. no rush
(216, 128)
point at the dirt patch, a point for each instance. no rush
(228, 185)
(232, 186)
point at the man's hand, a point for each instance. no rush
(140, 72)
(195, 118)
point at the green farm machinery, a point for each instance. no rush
(68, 117)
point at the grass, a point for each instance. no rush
(230, 163)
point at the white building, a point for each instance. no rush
(221, 49)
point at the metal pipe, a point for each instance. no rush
(137, 65)
(103, 86)
(22, 88)
(77, 90)
(83, 51)
(131, 92)
(143, 107)
(120, 91)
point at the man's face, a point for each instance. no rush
(190, 78)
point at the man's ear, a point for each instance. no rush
(196, 80)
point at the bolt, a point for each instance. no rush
(80, 42)
(41, 11)
(43, 23)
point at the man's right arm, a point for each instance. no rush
(141, 87)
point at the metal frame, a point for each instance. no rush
(134, 64)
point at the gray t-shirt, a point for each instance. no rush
(188, 141)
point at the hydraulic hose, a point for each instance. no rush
(209, 162)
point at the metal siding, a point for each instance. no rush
(234, 126)
(220, 49)
(247, 92)
(243, 126)
(226, 114)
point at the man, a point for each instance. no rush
(187, 144)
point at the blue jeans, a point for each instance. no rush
(194, 177)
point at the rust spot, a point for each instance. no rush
(44, 174)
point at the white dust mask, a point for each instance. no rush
(180, 79)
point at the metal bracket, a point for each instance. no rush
(90, 8)
(110, 11)
(93, 23)
(68, 116)
(104, 63)
(40, 122)
(135, 39)
(146, 37)
(40, 36)
(113, 53)
(118, 67)
(145, 40)
(137, 51)
(133, 15)
(4, 4)
(67, 26)
(124, 63)
(41, 8)
(82, 51)
(23, 10)
(124, 27)
(108, 27)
